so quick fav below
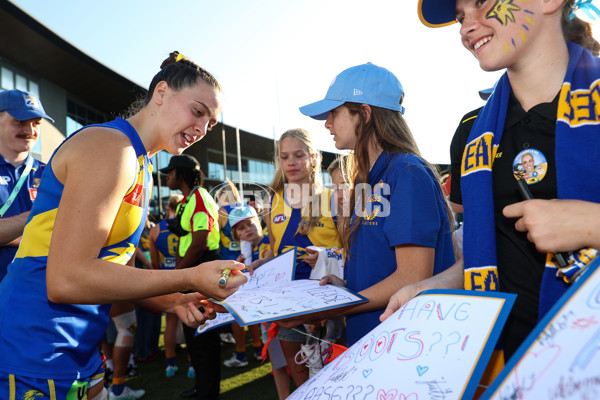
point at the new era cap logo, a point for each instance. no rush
(357, 92)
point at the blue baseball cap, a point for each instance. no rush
(486, 93)
(241, 213)
(22, 105)
(437, 13)
(363, 84)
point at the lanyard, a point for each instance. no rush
(17, 187)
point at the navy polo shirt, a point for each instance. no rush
(9, 175)
(406, 207)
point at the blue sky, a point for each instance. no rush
(273, 56)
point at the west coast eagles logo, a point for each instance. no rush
(372, 215)
(503, 11)
(30, 101)
(32, 395)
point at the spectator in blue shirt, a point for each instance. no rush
(20, 121)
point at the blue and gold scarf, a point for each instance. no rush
(577, 169)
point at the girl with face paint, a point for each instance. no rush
(543, 104)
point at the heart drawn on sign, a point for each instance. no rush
(383, 395)
(421, 370)
(411, 396)
(367, 372)
(279, 276)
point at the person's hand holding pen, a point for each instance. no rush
(561, 258)
(206, 278)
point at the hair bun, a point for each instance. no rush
(176, 57)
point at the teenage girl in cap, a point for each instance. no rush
(400, 229)
(85, 224)
(544, 103)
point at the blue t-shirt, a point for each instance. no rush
(417, 215)
(9, 175)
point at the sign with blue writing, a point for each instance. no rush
(270, 294)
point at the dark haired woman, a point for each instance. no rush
(89, 213)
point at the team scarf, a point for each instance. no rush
(577, 151)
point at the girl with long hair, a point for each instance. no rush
(400, 229)
(300, 216)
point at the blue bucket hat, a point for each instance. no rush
(363, 84)
(437, 13)
(22, 105)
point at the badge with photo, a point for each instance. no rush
(530, 165)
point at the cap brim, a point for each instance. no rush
(320, 109)
(165, 170)
(24, 115)
(237, 221)
(485, 93)
(437, 13)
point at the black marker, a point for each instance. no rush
(561, 258)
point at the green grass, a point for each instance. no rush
(251, 382)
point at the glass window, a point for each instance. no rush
(216, 171)
(36, 152)
(72, 126)
(163, 158)
(34, 89)
(79, 115)
(8, 79)
(21, 83)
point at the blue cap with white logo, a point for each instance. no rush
(363, 84)
(241, 213)
(22, 105)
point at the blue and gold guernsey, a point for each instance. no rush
(262, 247)
(41, 339)
(166, 243)
(284, 224)
(229, 249)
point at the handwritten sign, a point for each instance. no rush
(274, 272)
(287, 300)
(435, 347)
(271, 294)
(560, 359)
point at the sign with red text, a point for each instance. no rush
(560, 359)
(435, 347)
